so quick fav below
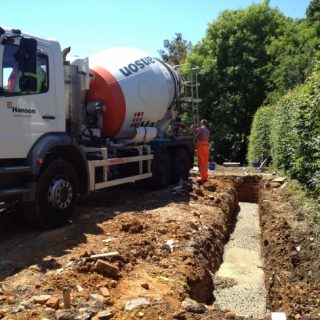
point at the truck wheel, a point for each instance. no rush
(181, 165)
(55, 197)
(161, 170)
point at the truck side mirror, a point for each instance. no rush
(27, 55)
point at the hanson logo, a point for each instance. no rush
(22, 111)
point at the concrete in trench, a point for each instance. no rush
(239, 283)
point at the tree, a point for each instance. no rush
(175, 50)
(248, 58)
(313, 11)
(291, 57)
(234, 73)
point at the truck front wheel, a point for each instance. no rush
(55, 197)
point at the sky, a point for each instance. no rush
(89, 26)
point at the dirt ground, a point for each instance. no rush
(137, 254)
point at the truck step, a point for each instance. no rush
(14, 170)
(6, 192)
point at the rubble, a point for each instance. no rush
(103, 255)
(42, 299)
(53, 303)
(103, 315)
(145, 285)
(97, 297)
(11, 300)
(66, 314)
(107, 268)
(132, 304)
(104, 291)
(192, 306)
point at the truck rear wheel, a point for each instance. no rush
(161, 170)
(55, 197)
(181, 165)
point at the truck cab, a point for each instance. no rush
(29, 113)
(33, 125)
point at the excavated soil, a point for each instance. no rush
(136, 254)
(291, 252)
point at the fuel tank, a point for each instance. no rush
(136, 90)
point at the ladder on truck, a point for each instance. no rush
(193, 94)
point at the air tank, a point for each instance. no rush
(136, 90)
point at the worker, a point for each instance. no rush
(14, 79)
(40, 76)
(202, 144)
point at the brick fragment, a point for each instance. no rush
(107, 268)
(53, 303)
(104, 291)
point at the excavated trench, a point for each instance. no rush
(239, 284)
(236, 281)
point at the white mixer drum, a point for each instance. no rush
(135, 88)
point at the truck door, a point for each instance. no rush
(24, 115)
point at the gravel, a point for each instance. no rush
(239, 283)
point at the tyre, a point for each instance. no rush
(55, 198)
(161, 170)
(181, 165)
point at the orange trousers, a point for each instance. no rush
(203, 158)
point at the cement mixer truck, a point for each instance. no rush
(71, 126)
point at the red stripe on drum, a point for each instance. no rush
(104, 87)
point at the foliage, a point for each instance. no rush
(295, 132)
(176, 50)
(291, 57)
(251, 58)
(313, 11)
(234, 73)
(259, 140)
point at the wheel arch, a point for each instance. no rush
(62, 146)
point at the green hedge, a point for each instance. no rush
(289, 131)
(295, 132)
(259, 139)
(284, 139)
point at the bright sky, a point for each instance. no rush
(92, 25)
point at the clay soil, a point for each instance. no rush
(291, 249)
(163, 248)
